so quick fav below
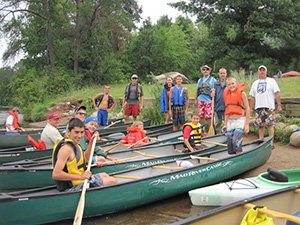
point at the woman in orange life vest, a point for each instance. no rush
(12, 121)
(100, 156)
(136, 134)
(235, 123)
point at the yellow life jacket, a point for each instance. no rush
(196, 134)
(76, 166)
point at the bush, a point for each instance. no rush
(153, 112)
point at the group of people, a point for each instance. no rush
(71, 152)
(231, 106)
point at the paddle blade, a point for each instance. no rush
(211, 131)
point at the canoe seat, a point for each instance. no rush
(276, 175)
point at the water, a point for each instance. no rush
(163, 212)
(4, 114)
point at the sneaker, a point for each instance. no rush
(273, 146)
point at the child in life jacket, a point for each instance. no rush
(192, 134)
(100, 156)
(236, 124)
(136, 134)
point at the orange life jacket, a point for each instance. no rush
(136, 134)
(233, 102)
(88, 134)
(16, 120)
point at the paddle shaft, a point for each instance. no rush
(211, 131)
(214, 143)
(130, 146)
(118, 121)
(111, 148)
(80, 207)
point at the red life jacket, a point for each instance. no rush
(40, 145)
(233, 102)
(88, 134)
(15, 121)
(135, 135)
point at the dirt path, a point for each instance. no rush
(282, 157)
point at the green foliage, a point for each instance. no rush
(37, 112)
(153, 112)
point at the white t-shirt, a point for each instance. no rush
(10, 121)
(264, 92)
(49, 135)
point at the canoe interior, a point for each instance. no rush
(285, 201)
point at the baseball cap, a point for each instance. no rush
(80, 107)
(262, 66)
(53, 116)
(134, 76)
(90, 119)
(205, 66)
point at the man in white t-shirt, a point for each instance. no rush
(50, 132)
(263, 92)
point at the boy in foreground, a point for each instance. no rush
(235, 123)
(68, 161)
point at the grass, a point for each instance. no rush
(290, 87)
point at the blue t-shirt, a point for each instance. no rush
(202, 97)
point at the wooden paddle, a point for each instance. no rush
(130, 146)
(274, 214)
(118, 121)
(117, 161)
(80, 206)
(111, 148)
(211, 131)
(154, 139)
(214, 143)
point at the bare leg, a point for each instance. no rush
(261, 132)
(168, 117)
(175, 127)
(202, 121)
(209, 122)
(271, 132)
(134, 118)
(108, 180)
(181, 126)
(126, 119)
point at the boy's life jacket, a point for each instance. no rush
(135, 135)
(138, 91)
(100, 98)
(204, 87)
(178, 96)
(76, 166)
(233, 102)
(195, 135)
(15, 120)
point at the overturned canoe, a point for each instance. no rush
(135, 187)
(38, 173)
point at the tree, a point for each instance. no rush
(238, 28)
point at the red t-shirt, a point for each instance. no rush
(187, 131)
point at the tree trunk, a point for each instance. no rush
(77, 40)
(49, 36)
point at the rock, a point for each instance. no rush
(278, 116)
(279, 125)
(288, 128)
(295, 139)
(65, 114)
(94, 114)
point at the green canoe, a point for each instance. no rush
(11, 140)
(27, 152)
(38, 173)
(135, 187)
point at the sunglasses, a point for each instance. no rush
(82, 114)
(134, 78)
(205, 69)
